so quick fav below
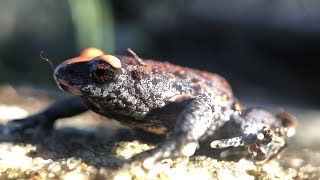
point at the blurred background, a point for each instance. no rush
(268, 50)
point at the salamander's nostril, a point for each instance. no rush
(68, 67)
(61, 71)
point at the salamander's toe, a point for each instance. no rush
(12, 127)
(33, 122)
(169, 149)
(148, 158)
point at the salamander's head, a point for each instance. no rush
(88, 74)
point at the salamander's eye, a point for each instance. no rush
(103, 69)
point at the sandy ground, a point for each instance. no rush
(89, 147)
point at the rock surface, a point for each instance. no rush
(89, 147)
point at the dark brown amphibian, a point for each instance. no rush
(162, 98)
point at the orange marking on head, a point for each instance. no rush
(91, 52)
(86, 55)
(77, 59)
(112, 60)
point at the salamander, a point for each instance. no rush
(187, 105)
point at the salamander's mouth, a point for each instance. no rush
(60, 77)
(68, 88)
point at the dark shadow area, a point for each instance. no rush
(94, 147)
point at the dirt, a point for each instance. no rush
(88, 146)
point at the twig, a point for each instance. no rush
(46, 59)
(140, 61)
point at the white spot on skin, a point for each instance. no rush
(236, 143)
(291, 132)
(214, 144)
(253, 129)
(263, 150)
(260, 136)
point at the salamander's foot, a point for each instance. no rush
(11, 127)
(38, 122)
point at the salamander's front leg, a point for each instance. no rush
(190, 126)
(46, 118)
